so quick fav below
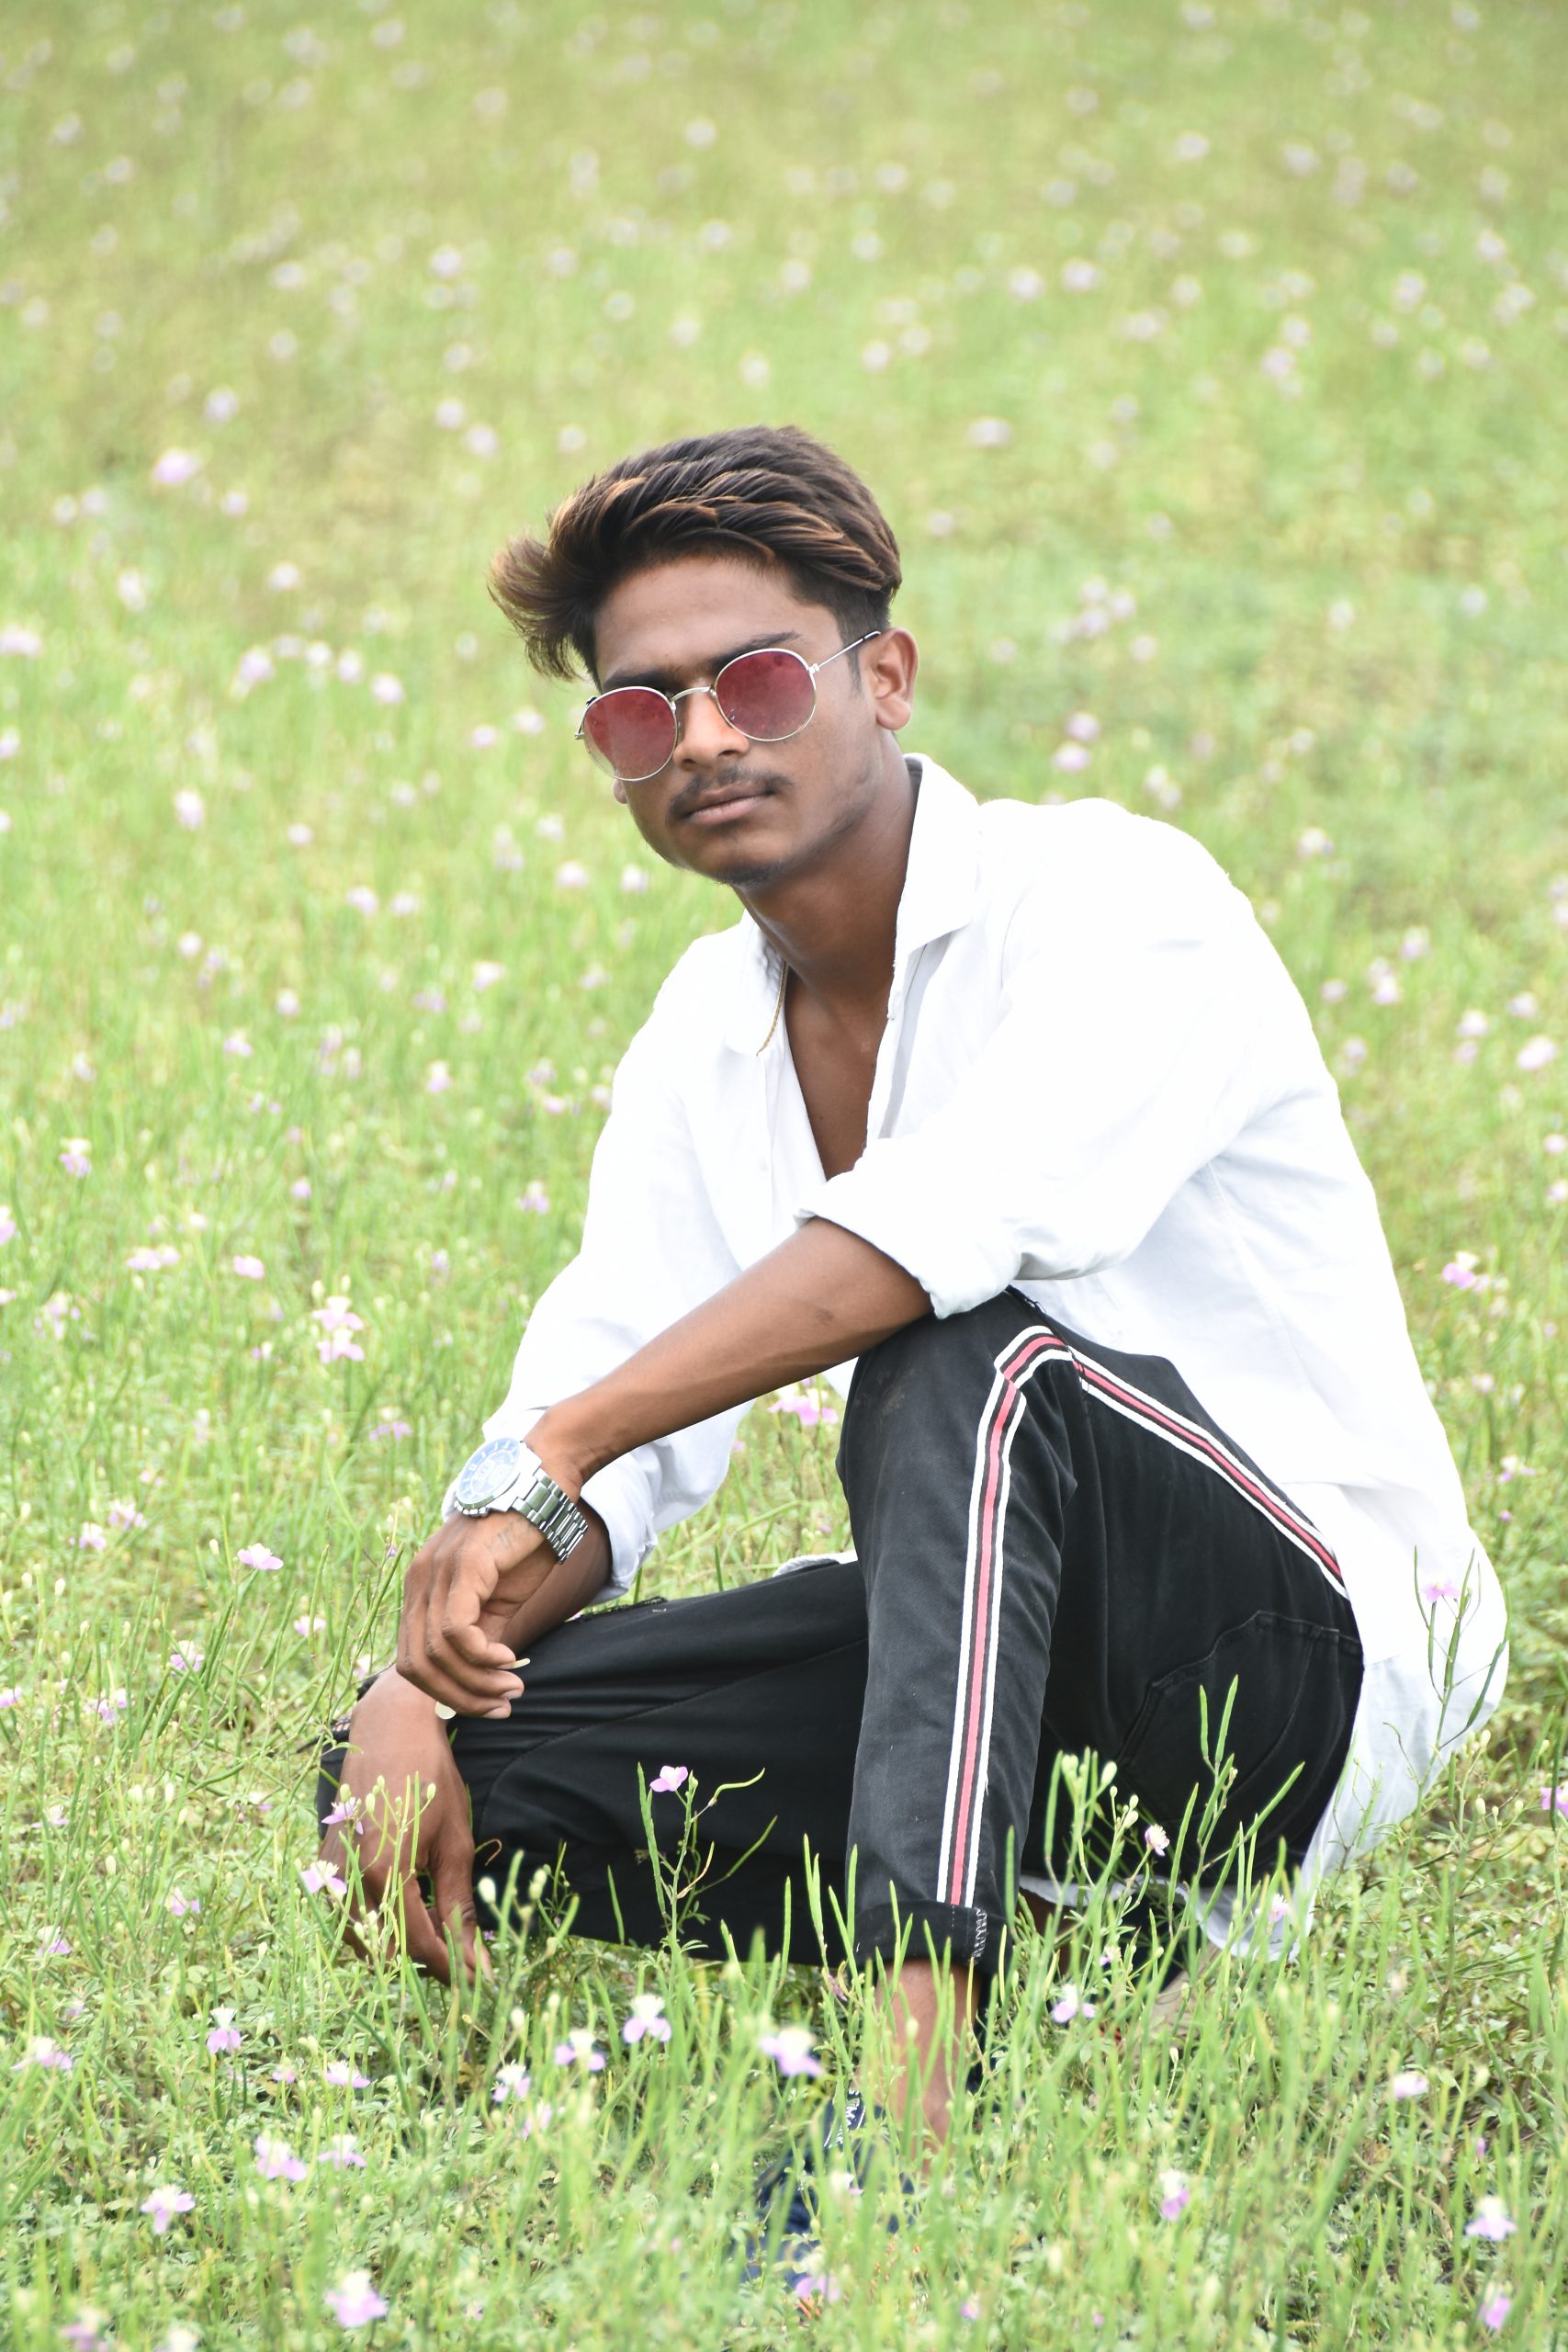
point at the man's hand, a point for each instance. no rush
(477, 1592)
(406, 1811)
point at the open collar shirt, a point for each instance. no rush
(1098, 1083)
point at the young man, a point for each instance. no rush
(1012, 1114)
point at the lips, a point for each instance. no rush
(725, 800)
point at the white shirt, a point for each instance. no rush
(1097, 1082)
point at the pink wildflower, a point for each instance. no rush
(276, 2160)
(343, 2076)
(1175, 2195)
(789, 2046)
(256, 1555)
(176, 468)
(1071, 2005)
(337, 1319)
(354, 2300)
(809, 1411)
(1555, 1800)
(1491, 2220)
(224, 2035)
(579, 2048)
(251, 1270)
(43, 2051)
(341, 2154)
(510, 2082)
(668, 1780)
(647, 2017)
(164, 2204)
(1496, 2310)
(320, 1878)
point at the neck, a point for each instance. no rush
(835, 926)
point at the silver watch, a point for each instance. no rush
(505, 1474)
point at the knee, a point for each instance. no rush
(899, 1370)
(938, 1349)
(921, 1388)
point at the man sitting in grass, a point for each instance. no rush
(1013, 1113)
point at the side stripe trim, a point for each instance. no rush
(958, 1853)
(959, 1849)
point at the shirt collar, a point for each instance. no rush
(940, 888)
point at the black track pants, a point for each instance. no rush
(1057, 1550)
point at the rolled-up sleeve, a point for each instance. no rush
(1121, 1063)
(652, 1251)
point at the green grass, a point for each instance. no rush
(1344, 652)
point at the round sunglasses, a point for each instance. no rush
(767, 695)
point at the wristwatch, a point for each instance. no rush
(505, 1474)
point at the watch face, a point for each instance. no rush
(488, 1473)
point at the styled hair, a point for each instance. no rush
(770, 494)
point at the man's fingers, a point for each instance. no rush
(480, 1692)
(449, 1658)
(452, 1881)
(426, 1946)
(444, 1647)
(470, 1642)
(463, 1666)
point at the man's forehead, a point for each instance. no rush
(685, 616)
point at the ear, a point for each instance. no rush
(890, 667)
(619, 789)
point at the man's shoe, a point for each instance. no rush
(786, 2242)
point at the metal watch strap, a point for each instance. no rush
(557, 1517)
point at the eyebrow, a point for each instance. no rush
(667, 681)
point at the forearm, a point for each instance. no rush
(819, 1298)
(477, 1594)
(565, 1587)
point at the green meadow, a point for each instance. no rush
(1212, 363)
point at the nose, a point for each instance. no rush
(704, 734)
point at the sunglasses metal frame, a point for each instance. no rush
(674, 701)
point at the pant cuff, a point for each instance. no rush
(955, 1932)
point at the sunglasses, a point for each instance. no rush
(769, 695)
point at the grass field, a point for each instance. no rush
(1211, 363)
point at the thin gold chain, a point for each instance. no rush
(783, 983)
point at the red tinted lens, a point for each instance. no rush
(766, 696)
(632, 729)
